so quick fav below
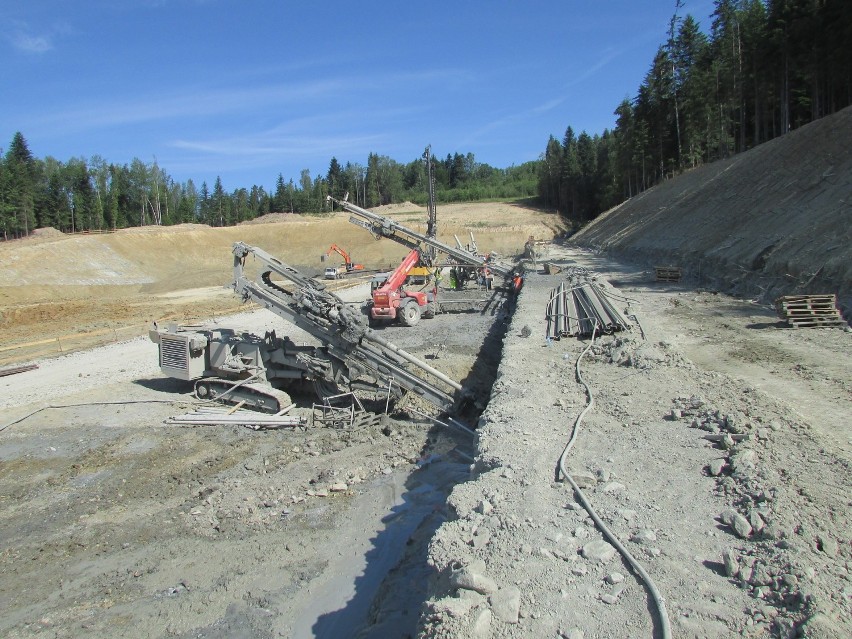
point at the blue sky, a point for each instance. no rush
(246, 89)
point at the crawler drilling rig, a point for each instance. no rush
(245, 368)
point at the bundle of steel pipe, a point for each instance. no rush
(252, 419)
(574, 312)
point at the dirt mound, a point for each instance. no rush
(60, 284)
(389, 209)
(47, 231)
(772, 221)
(134, 230)
(273, 218)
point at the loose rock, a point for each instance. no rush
(506, 603)
(471, 579)
(482, 625)
(584, 479)
(598, 550)
(716, 467)
(741, 526)
(732, 567)
(644, 536)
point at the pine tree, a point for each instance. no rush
(279, 200)
(19, 184)
(219, 210)
(334, 178)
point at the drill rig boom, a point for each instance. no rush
(249, 368)
(381, 226)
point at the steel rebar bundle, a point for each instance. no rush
(575, 311)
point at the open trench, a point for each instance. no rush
(116, 523)
(378, 587)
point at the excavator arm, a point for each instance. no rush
(347, 260)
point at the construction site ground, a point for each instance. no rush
(699, 364)
(115, 523)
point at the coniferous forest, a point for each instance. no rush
(758, 70)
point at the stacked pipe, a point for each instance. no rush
(574, 311)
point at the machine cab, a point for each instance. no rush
(377, 281)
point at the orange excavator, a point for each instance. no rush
(347, 261)
(391, 301)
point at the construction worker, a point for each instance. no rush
(489, 278)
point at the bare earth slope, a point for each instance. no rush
(774, 220)
(60, 293)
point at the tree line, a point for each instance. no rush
(765, 68)
(91, 195)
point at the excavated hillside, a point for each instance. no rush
(776, 220)
(64, 292)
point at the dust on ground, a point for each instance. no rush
(718, 451)
(115, 522)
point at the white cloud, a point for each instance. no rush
(22, 39)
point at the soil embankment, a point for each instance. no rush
(775, 220)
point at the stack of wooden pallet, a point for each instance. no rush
(809, 311)
(667, 273)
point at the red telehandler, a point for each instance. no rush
(391, 301)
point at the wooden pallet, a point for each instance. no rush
(667, 273)
(809, 311)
